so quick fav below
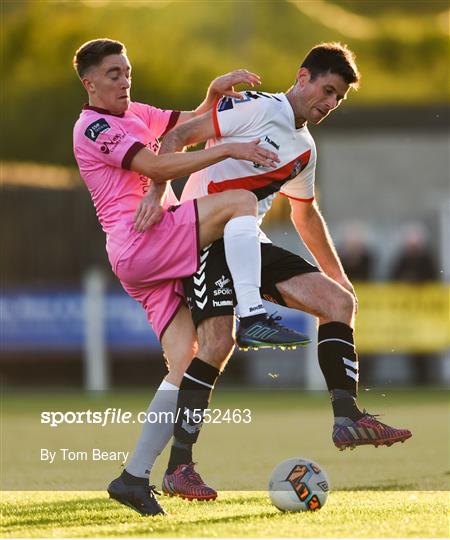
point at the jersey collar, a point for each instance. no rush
(88, 107)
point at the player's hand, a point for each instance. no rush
(252, 151)
(224, 85)
(347, 284)
(149, 212)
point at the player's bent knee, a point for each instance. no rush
(345, 305)
(244, 200)
(339, 306)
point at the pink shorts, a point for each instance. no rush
(151, 269)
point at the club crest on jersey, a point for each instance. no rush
(299, 165)
(96, 128)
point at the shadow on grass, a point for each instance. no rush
(48, 513)
(70, 512)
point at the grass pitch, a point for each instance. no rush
(402, 491)
(349, 514)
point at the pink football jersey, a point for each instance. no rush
(104, 146)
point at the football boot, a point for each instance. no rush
(138, 497)
(267, 333)
(349, 433)
(186, 483)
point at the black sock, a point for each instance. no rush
(179, 456)
(339, 364)
(337, 357)
(131, 480)
(248, 321)
(344, 405)
(193, 398)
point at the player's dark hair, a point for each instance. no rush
(332, 58)
(92, 53)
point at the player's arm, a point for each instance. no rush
(163, 167)
(195, 131)
(222, 86)
(311, 226)
(200, 129)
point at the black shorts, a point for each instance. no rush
(210, 293)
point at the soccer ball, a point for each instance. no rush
(297, 485)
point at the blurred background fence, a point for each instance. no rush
(382, 181)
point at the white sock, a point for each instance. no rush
(154, 435)
(243, 254)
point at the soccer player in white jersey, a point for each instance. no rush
(280, 121)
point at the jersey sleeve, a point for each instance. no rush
(159, 121)
(105, 140)
(235, 117)
(301, 188)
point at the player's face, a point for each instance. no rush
(109, 84)
(320, 96)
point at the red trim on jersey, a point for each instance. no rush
(250, 183)
(215, 119)
(130, 153)
(296, 198)
(101, 111)
(259, 180)
(172, 121)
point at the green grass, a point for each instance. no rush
(402, 491)
(346, 514)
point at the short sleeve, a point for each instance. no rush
(234, 117)
(107, 141)
(301, 188)
(159, 121)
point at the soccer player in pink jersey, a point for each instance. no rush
(152, 242)
(280, 122)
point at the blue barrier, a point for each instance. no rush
(55, 321)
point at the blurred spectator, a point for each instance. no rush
(357, 259)
(415, 264)
(355, 252)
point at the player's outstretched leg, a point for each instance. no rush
(132, 488)
(232, 214)
(335, 307)
(339, 362)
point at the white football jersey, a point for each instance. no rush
(270, 118)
